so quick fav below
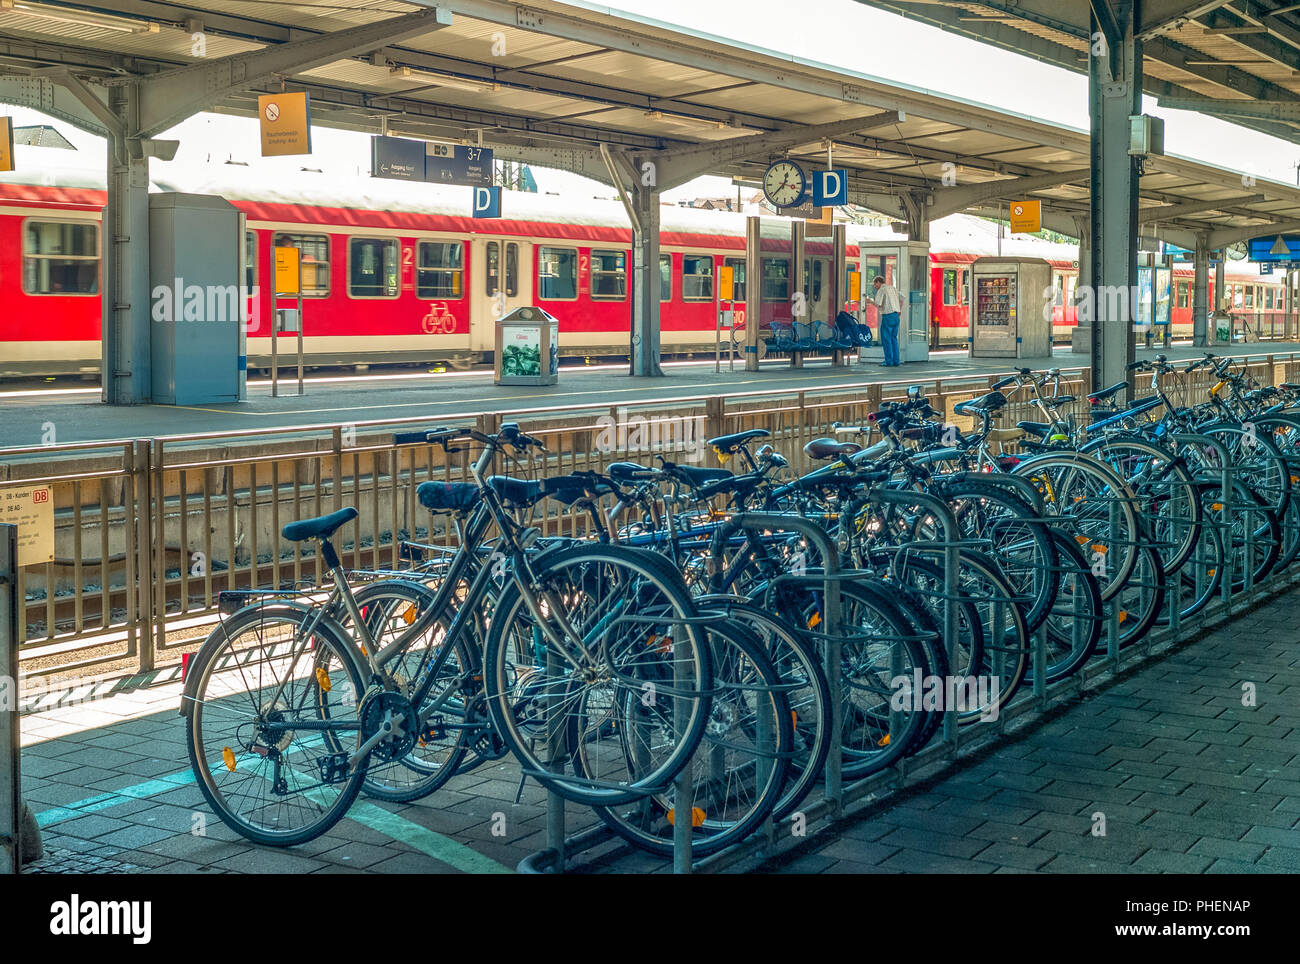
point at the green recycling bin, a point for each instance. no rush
(528, 348)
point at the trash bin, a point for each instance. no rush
(528, 348)
(1221, 328)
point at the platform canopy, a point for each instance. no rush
(1237, 59)
(599, 93)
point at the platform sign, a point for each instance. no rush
(6, 144)
(487, 202)
(1267, 249)
(285, 120)
(830, 188)
(458, 164)
(1266, 267)
(726, 283)
(820, 225)
(400, 158)
(31, 509)
(1026, 217)
(288, 271)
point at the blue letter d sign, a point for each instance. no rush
(830, 188)
(487, 202)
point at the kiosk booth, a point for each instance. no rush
(905, 265)
(1011, 308)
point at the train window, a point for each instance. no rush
(964, 292)
(250, 260)
(557, 274)
(776, 279)
(697, 278)
(950, 294)
(1250, 297)
(512, 269)
(493, 262)
(372, 267)
(1181, 294)
(737, 266)
(314, 250)
(665, 277)
(1268, 299)
(439, 269)
(608, 275)
(61, 258)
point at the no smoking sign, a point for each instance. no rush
(272, 112)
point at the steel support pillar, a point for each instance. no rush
(1114, 94)
(126, 378)
(644, 352)
(753, 290)
(1221, 302)
(800, 313)
(1201, 292)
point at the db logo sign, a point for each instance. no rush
(41, 495)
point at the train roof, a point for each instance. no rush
(958, 234)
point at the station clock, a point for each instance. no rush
(785, 184)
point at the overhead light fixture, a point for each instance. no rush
(436, 78)
(687, 119)
(1279, 246)
(87, 19)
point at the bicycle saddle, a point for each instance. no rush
(517, 492)
(570, 488)
(319, 528)
(730, 443)
(1106, 393)
(697, 476)
(630, 472)
(990, 402)
(1036, 429)
(447, 496)
(1058, 400)
(828, 448)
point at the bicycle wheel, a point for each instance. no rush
(1142, 599)
(805, 686)
(1074, 625)
(1020, 544)
(989, 612)
(739, 770)
(1090, 499)
(391, 608)
(607, 619)
(1201, 577)
(1165, 490)
(273, 711)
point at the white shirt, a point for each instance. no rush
(887, 300)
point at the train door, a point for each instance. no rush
(503, 281)
(817, 290)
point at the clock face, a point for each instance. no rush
(785, 184)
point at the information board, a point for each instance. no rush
(31, 509)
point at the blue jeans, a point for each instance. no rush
(889, 337)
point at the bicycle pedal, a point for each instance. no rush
(333, 768)
(435, 730)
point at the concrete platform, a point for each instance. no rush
(76, 415)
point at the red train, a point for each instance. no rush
(396, 274)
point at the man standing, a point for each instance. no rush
(887, 301)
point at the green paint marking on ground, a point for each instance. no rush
(434, 844)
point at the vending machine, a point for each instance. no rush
(1011, 308)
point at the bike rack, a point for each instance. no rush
(938, 756)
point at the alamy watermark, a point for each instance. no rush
(624, 435)
(938, 693)
(203, 303)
